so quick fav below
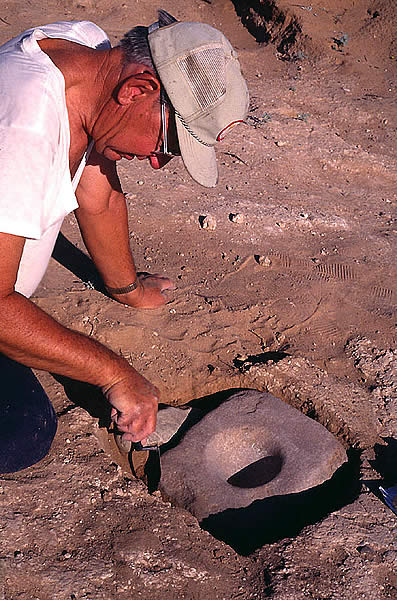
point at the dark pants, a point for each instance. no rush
(27, 418)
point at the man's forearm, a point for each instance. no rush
(103, 221)
(105, 234)
(32, 337)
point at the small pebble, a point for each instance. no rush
(140, 182)
(236, 217)
(130, 196)
(264, 261)
(209, 222)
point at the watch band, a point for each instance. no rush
(123, 290)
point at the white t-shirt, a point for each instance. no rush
(36, 190)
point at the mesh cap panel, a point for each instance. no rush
(199, 70)
(205, 70)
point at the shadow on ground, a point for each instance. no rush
(272, 519)
(76, 261)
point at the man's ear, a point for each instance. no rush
(138, 85)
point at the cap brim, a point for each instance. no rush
(199, 160)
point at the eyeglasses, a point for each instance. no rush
(166, 148)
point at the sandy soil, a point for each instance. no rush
(295, 295)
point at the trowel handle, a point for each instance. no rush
(139, 446)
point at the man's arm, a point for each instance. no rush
(103, 221)
(30, 336)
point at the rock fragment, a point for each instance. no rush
(236, 218)
(251, 447)
(263, 260)
(208, 222)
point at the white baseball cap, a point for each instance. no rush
(202, 78)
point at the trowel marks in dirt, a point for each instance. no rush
(251, 447)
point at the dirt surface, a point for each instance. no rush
(293, 292)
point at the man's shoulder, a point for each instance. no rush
(82, 32)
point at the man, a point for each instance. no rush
(71, 106)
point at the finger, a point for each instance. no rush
(156, 277)
(167, 284)
(136, 436)
(129, 437)
(162, 283)
(137, 424)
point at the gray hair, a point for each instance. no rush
(135, 44)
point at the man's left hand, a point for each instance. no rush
(152, 292)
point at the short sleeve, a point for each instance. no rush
(26, 163)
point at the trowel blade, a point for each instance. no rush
(169, 421)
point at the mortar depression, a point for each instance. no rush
(252, 446)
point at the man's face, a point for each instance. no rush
(130, 123)
(132, 130)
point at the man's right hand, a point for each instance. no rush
(134, 403)
(31, 337)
